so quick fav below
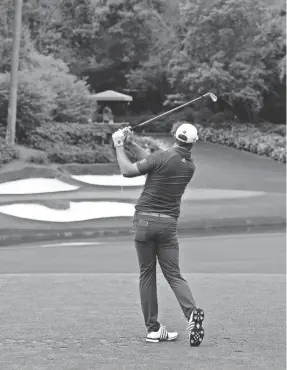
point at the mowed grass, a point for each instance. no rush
(94, 321)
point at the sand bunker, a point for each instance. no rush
(35, 186)
(111, 180)
(78, 211)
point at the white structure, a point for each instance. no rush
(111, 95)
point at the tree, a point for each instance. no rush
(120, 42)
(72, 96)
(149, 79)
(219, 52)
(94, 37)
(6, 38)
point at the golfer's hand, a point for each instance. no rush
(129, 135)
(119, 138)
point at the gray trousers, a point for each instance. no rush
(156, 238)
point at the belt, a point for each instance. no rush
(159, 215)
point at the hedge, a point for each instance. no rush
(72, 154)
(79, 143)
(88, 136)
(63, 153)
(7, 153)
(245, 137)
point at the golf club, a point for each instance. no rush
(212, 96)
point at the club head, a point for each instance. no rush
(213, 97)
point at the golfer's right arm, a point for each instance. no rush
(140, 152)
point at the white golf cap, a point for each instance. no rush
(187, 133)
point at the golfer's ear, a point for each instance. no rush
(132, 171)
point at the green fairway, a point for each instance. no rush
(93, 321)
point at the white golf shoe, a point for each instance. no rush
(161, 335)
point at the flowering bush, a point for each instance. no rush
(87, 136)
(7, 153)
(72, 154)
(245, 137)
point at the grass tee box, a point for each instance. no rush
(63, 321)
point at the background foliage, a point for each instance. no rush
(163, 52)
(157, 48)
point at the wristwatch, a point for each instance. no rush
(119, 142)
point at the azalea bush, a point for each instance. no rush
(7, 153)
(47, 92)
(87, 136)
(72, 154)
(72, 98)
(38, 159)
(245, 137)
(79, 143)
(35, 103)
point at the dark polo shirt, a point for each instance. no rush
(168, 173)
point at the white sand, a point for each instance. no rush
(111, 180)
(78, 211)
(35, 186)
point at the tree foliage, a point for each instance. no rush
(6, 38)
(34, 106)
(46, 92)
(230, 48)
(160, 50)
(72, 96)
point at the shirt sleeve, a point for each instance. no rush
(150, 163)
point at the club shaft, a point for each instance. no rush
(170, 111)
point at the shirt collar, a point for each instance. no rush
(183, 152)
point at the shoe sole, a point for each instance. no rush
(161, 340)
(196, 335)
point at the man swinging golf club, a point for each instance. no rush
(155, 226)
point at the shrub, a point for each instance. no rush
(87, 136)
(7, 153)
(72, 154)
(79, 143)
(243, 137)
(72, 96)
(2, 131)
(35, 103)
(278, 129)
(46, 92)
(38, 159)
(248, 138)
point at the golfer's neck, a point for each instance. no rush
(175, 145)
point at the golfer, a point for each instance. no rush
(155, 226)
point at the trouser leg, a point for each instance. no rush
(168, 257)
(147, 284)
